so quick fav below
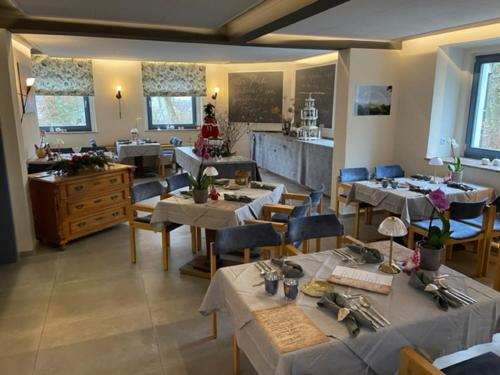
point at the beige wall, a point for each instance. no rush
(12, 135)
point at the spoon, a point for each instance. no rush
(262, 272)
(363, 301)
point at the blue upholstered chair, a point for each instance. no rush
(166, 158)
(140, 193)
(176, 182)
(312, 227)
(461, 232)
(63, 150)
(413, 363)
(244, 238)
(344, 183)
(389, 171)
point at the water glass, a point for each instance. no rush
(271, 282)
(291, 288)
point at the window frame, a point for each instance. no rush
(152, 126)
(72, 128)
(470, 151)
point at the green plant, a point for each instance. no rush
(436, 236)
(201, 182)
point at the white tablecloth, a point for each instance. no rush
(416, 321)
(409, 204)
(134, 150)
(215, 214)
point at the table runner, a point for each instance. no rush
(409, 204)
(415, 321)
(135, 150)
(215, 214)
(226, 166)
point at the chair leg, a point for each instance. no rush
(481, 259)
(487, 253)
(133, 252)
(337, 207)
(339, 241)
(165, 246)
(318, 244)
(356, 223)
(411, 238)
(449, 252)
(198, 239)
(368, 215)
(496, 284)
(214, 325)
(236, 357)
(193, 240)
(305, 247)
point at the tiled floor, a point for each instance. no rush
(87, 310)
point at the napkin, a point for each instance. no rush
(333, 302)
(420, 280)
(288, 268)
(420, 176)
(368, 254)
(260, 185)
(237, 198)
(456, 185)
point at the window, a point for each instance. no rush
(167, 111)
(483, 131)
(68, 113)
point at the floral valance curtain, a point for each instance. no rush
(62, 76)
(173, 79)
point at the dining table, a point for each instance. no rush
(214, 214)
(413, 204)
(414, 318)
(137, 150)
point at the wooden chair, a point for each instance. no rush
(166, 158)
(461, 232)
(176, 182)
(244, 238)
(140, 193)
(413, 363)
(344, 183)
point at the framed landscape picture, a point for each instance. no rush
(373, 100)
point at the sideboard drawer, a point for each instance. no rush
(101, 219)
(95, 185)
(85, 205)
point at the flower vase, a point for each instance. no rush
(430, 259)
(457, 176)
(200, 196)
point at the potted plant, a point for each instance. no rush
(432, 247)
(456, 168)
(199, 186)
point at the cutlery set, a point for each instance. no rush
(346, 257)
(263, 268)
(453, 293)
(362, 305)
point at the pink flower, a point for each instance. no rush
(438, 200)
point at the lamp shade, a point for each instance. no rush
(210, 172)
(393, 227)
(435, 161)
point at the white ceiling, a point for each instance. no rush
(76, 46)
(189, 13)
(395, 19)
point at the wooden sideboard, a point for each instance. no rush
(69, 207)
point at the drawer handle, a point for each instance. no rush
(97, 201)
(99, 218)
(113, 197)
(81, 225)
(79, 187)
(113, 180)
(97, 183)
(80, 206)
(115, 214)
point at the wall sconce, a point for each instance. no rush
(216, 92)
(119, 97)
(30, 81)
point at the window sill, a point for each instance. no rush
(171, 130)
(74, 132)
(474, 163)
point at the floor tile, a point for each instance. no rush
(19, 364)
(21, 334)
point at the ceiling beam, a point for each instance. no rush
(273, 15)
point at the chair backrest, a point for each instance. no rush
(466, 210)
(309, 227)
(245, 237)
(354, 174)
(413, 363)
(496, 203)
(301, 210)
(316, 196)
(389, 171)
(94, 149)
(147, 190)
(177, 181)
(64, 150)
(176, 141)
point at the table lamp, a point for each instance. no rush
(435, 162)
(392, 227)
(211, 172)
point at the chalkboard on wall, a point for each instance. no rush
(320, 79)
(256, 97)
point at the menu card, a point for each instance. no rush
(289, 328)
(374, 282)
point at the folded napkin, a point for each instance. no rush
(334, 302)
(420, 176)
(418, 189)
(288, 268)
(260, 185)
(368, 254)
(420, 280)
(460, 186)
(237, 198)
